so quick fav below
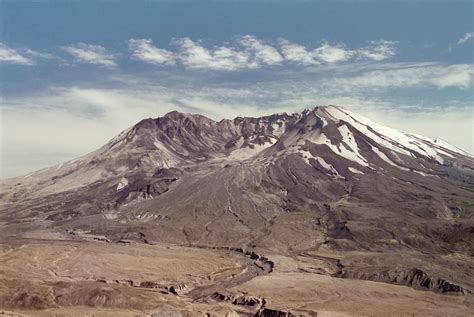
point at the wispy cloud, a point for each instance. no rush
(332, 53)
(22, 56)
(39, 55)
(466, 37)
(91, 54)
(263, 53)
(194, 55)
(297, 53)
(11, 56)
(143, 49)
(327, 53)
(435, 75)
(377, 50)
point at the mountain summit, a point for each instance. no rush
(331, 139)
(323, 181)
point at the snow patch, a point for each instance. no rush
(355, 171)
(421, 173)
(445, 153)
(386, 159)
(351, 154)
(307, 155)
(327, 166)
(244, 152)
(348, 138)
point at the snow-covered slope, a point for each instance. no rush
(343, 143)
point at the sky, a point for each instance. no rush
(73, 74)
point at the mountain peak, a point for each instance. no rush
(330, 138)
(178, 116)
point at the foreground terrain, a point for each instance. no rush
(70, 278)
(321, 213)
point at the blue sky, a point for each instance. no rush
(75, 73)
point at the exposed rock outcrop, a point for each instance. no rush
(415, 278)
(268, 312)
(244, 300)
(179, 289)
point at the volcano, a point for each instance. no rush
(311, 213)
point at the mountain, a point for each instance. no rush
(324, 192)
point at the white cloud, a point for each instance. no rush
(459, 76)
(91, 54)
(327, 53)
(247, 53)
(297, 53)
(332, 54)
(231, 59)
(377, 50)
(22, 56)
(38, 55)
(467, 36)
(194, 55)
(143, 49)
(11, 56)
(264, 53)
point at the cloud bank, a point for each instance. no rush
(248, 52)
(245, 52)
